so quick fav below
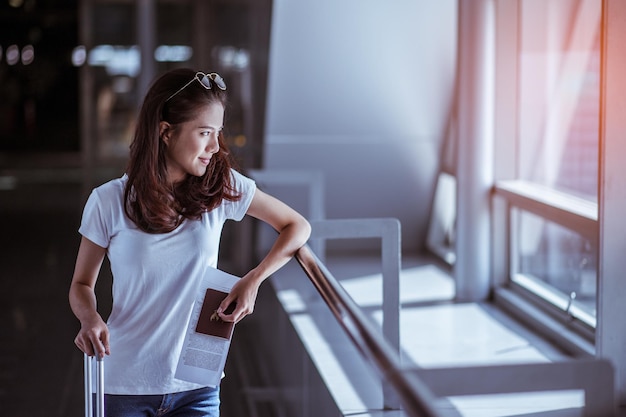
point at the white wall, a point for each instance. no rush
(361, 90)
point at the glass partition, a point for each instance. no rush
(127, 43)
(38, 84)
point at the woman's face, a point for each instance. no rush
(192, 145)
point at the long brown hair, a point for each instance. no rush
(154, 204)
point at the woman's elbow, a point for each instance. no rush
(303, 228)
(307, 229)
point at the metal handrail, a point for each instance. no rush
(415, 396)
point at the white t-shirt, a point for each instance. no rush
(155, 277)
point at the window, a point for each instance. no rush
(559, 94)
(555, 263)
(551, 191)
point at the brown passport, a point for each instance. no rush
(209, 322)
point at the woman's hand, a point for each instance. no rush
(293, 232)
(243, 295)
(93, 337)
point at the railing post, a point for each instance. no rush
(389, 231)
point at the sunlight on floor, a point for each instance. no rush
(435, 333)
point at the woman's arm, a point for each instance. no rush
(293, 232)
(93, 333)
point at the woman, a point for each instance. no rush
(160, 227)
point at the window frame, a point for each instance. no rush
(563, 325)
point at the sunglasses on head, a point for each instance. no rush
(205, 80)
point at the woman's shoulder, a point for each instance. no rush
(111, 188)
(113, 183)
(240, 181)
(105, 201)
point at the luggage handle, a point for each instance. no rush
(89, 409)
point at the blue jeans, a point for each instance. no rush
(203, 402)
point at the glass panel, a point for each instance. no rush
(114, 62)
(38, 84)
(555, 263)
(559, 94)
(116, 65)
(229, 38)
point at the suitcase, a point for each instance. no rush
(89, 401)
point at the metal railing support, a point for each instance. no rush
(389, 231)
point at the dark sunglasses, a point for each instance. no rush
(205, 80)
